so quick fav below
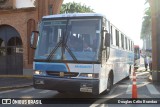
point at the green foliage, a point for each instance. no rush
(146, 24)
(73, 7)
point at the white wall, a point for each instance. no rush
(24, 3)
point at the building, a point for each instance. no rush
(18, 18)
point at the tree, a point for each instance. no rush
(146, 24)
(73, 7)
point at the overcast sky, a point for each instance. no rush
(126, 15)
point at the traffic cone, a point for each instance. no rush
(134, 86)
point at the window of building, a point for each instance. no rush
(50, 9)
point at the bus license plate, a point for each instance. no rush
(86, 89)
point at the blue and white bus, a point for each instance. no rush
(62, 63)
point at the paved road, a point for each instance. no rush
(122, 90)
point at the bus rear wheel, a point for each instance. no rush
(128, 77)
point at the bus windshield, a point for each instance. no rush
(69, 39)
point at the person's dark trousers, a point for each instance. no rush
(146, 65)
(150, 68)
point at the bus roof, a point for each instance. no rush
(73, 15)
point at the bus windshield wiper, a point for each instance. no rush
(54, 50)
(63, 43)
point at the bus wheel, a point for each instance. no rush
(128, 77)
(110, 82)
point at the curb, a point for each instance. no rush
(16, 76)
(15, 87)
(18, 85)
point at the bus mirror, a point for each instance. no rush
(107, 40)
(34, 38)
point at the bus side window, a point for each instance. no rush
(111, 36)
(114, 36)
(126, 42)
(122, 40)
(117, 37)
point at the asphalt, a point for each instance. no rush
(8, 82)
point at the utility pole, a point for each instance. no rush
(155, 14)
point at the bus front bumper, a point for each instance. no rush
(67, 84)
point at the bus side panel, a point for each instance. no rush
(118, 63)
(121, 60)
(106, 69)
(103, 74)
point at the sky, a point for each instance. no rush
(126, 15)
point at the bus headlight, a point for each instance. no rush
(89, 75)
(38, 72)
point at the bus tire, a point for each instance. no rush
(110, 82)
(128, 77)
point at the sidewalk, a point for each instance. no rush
(142, 69)
(8, 82)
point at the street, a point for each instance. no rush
(120, 90)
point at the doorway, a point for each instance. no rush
(11, 51)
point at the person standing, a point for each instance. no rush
(150, 63)
(146, 62)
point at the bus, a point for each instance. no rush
(62, 64)
(136, 56)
